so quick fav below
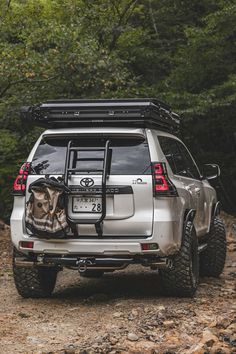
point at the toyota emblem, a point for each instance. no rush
(87, 182)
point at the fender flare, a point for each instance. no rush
(216, 209)
(189, 215)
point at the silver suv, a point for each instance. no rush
(136, 196)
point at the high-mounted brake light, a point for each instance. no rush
(161, 182)
(19, 184)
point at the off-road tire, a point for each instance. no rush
(92, 274)
(212, 259)
(33, 282)
(182, 279)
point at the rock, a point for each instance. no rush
(4, 226)
(232, 328)
(196, 349)
(132, 336)
(140, 347)
(219, 349)
(147, 309)
(112, 328)
(208, 338)
(168, 324)
(231, 247)
(223, 321)
(70, 349)
(113, 340)
(207, 320)
(23, 315)
(134, 312)
(117, 314)
(35, 340)
(160, 308)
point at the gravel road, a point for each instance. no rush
(123, 312)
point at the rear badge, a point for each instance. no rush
(138, 181)
(86, 182)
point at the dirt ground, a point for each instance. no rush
(123, 312)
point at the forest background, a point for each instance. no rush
(182, 52)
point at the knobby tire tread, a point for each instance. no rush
(212, 260)
(34, 282)
(178, 281)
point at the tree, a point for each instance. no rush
(182, 52)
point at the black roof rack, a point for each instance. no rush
(145, 113)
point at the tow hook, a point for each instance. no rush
(82, 264)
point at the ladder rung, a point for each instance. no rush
(86, 149)
(90, 159)
(80, 170)
(101, 172)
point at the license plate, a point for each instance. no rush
(87, 204)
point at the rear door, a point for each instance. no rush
(197, 189)
(129, 194)
(183, 165)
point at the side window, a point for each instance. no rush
(173, 155)
(178, 157)
(192, 169)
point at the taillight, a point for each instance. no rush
(19, 184)
(161, 182)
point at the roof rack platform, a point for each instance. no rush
(145, 113)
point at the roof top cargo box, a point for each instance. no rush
(145, 113)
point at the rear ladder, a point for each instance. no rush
(71, 168)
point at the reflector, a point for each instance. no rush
(26, 244)
(149, 246)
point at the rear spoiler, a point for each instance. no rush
(142, 113)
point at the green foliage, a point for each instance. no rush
(180, 51)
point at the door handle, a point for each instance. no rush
(197, 190)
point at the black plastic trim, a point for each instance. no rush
(216, 209)
(189, 215)
(96, 190)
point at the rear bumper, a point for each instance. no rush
(81, 246)
(167, 231)
(94, 246)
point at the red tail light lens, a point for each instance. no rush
(19, 184)
(162, 184)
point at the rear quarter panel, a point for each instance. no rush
(169, 212)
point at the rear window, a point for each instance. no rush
(130, 156)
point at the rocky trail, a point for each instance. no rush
(123, 312)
